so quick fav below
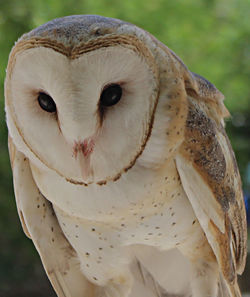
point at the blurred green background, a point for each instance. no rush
(212, 38)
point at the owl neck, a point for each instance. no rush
(136, 192)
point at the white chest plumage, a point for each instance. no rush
(103, 222)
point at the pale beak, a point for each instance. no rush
(83, 151)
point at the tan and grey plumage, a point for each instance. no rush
(135, 197)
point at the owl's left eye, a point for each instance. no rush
(46, 102)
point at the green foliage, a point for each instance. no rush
(211, 37)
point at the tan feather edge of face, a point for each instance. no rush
(127, 41)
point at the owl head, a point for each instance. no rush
(89, 96)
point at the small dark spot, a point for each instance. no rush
(193, 222)
(150, 233)
(52, 229)
(100, 249)
(122, 225)
(142, 218)
(76, 236)
(53, 239)
(173, 223)
(172, 214)
(75, 226)
(97, 31)
(38, 206)
(155, 205)
(95, 278)
(119, 175)
(87, 265)
(157, 227)
(87, 254)
(93, 229)
(175, 235)
(43, 204)
(102, 182)
(111, 246)
(75, 182)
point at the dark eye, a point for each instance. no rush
(46, 102)
(111, 95)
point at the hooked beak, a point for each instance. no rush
(83, 150)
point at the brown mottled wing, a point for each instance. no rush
(210, 177)
(40, 224)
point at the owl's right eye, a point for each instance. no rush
(111, 95)
(46, 102)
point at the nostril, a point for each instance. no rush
(86, 147)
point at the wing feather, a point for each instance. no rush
(211, 180)
(40, 224)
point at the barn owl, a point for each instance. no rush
(124, 177)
